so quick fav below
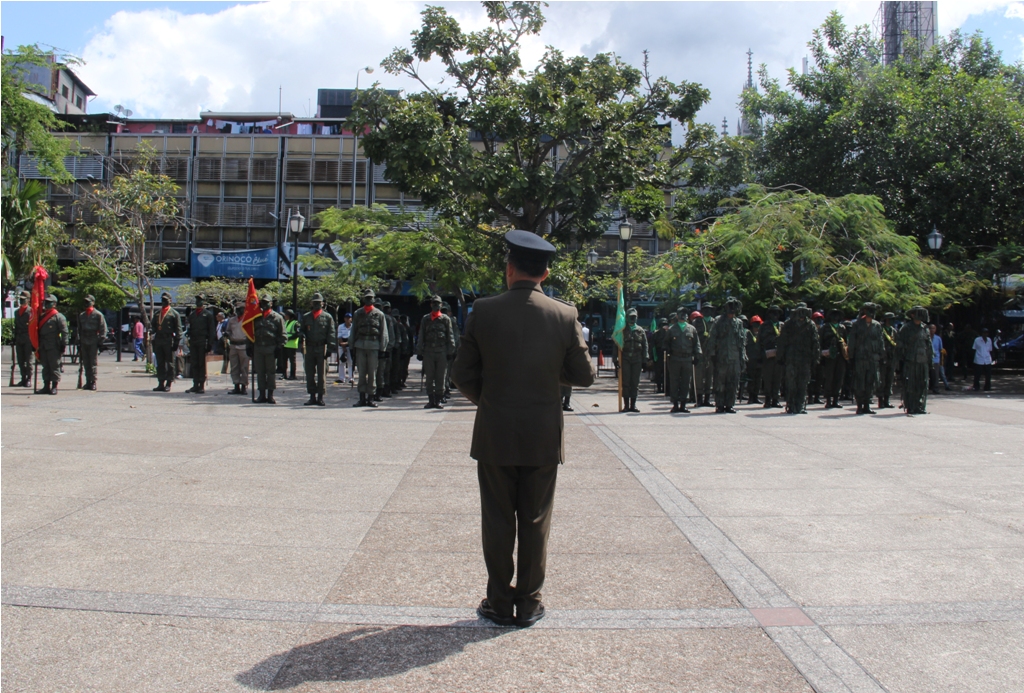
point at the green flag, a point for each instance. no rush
(620, 320)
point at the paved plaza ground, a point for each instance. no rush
(176, 542)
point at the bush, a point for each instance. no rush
(8, 331)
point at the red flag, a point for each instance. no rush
(252, 311)
(39, 277)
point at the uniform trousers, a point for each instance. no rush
(239, 362)
(197, 361)
(23, 352)
(164, 355)
(727, 383)
(315, 363)
(88, 354)
(383, 372)
(631, 368)
(771, 378)
(707, 383)
(395, 362)
(833, 371)
(915, 387)
(49, 358)
(515, 499)
(886, 376)
(366, 364)
(435, 368)
(798, 374)
(679, 372)
(753, 380)
(265, 366)
(865, 379)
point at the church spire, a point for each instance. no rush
(750, 70)
(725, 126)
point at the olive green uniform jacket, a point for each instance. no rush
(519, 348)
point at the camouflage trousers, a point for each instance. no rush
(865, 379)
(915, 387)
(680, 371)
(727, 383)
(798, 374)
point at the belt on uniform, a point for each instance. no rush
(237, 342)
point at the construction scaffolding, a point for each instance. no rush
(907, 29)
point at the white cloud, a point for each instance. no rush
(164, 63)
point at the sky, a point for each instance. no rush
(174, 59)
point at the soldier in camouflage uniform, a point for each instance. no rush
(320, 335)
(914, 356)
(771, 368)
(22, 342)
(202, 332)
(726, 348)
(384, 360)
(798, 349)
(53, 340)
(659, 347)
(396, 352)
(683, 354)
(268, 330)
(865, 345)
(887, 367)
(369, 337)
(436, 343)
(92, 330)
(446, 309)
(634, 353)
(706, 370)
(166, 330)
(832, 340)
(816, 386)
(753, 350)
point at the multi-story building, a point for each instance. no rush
(57, 87)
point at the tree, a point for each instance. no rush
(79, 281)
(134, 204)
(547, 150)
(788, 245)
(937, 139)
(27, 124)
(30, 234)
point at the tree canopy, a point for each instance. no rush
(788, 245)
(547, 150)
(938, 139)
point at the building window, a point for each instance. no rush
(64, 91)
(78, 102)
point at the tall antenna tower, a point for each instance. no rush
(907, 29)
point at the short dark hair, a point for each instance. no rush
(530, 264)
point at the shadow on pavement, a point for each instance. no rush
(368, 652)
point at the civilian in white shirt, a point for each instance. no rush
(938, 372)
(983, 360)
(346, 367)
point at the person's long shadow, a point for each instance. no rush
(367, 652)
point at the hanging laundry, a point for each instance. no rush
(305, 129)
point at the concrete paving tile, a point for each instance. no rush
(493, 659)
(423, 475)
(87, 461)
(893, 577)
(633, 581)
(956, 658)
(219, 524)
(64, 483)
(620, 502)
(395, 531)
(1001, 476)
(412, 578)
(823, 501)
(980, 500)
(61, 650)
(23, 514)
(810, 478)
(839, 533)
(272, 573)
(598, 477)
(317, 494)
(408, 498)
(598, 534)
(287, 469)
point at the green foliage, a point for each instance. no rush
(547, 150)
(708, 180)
(126, 211)
(27, 124)
(937, 139)
(336, 290)
(785, 245)
(30, 234)
(433, 257)
(78, 281)
(224, 293)
(7, 325)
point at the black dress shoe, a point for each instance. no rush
(485, 610)
(566, 407)
(531, 618)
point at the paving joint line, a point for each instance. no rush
(823, 663)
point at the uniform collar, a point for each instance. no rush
(525, 284)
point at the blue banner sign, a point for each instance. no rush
(259, 264)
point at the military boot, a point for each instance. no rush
(52, 390)
(270, 397)
(362, 400)
(262, 398)
(320, 401)
(311, 402)
(90, 386)
(237, 390)
(370, 402)
(430, 402)
(836, 404)
(159, 387)
(675, 408)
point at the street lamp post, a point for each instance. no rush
(295, 224)
(935, 240)
(592, 257)
(355, 138)
(625, 233)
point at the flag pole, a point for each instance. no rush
(619, 370)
